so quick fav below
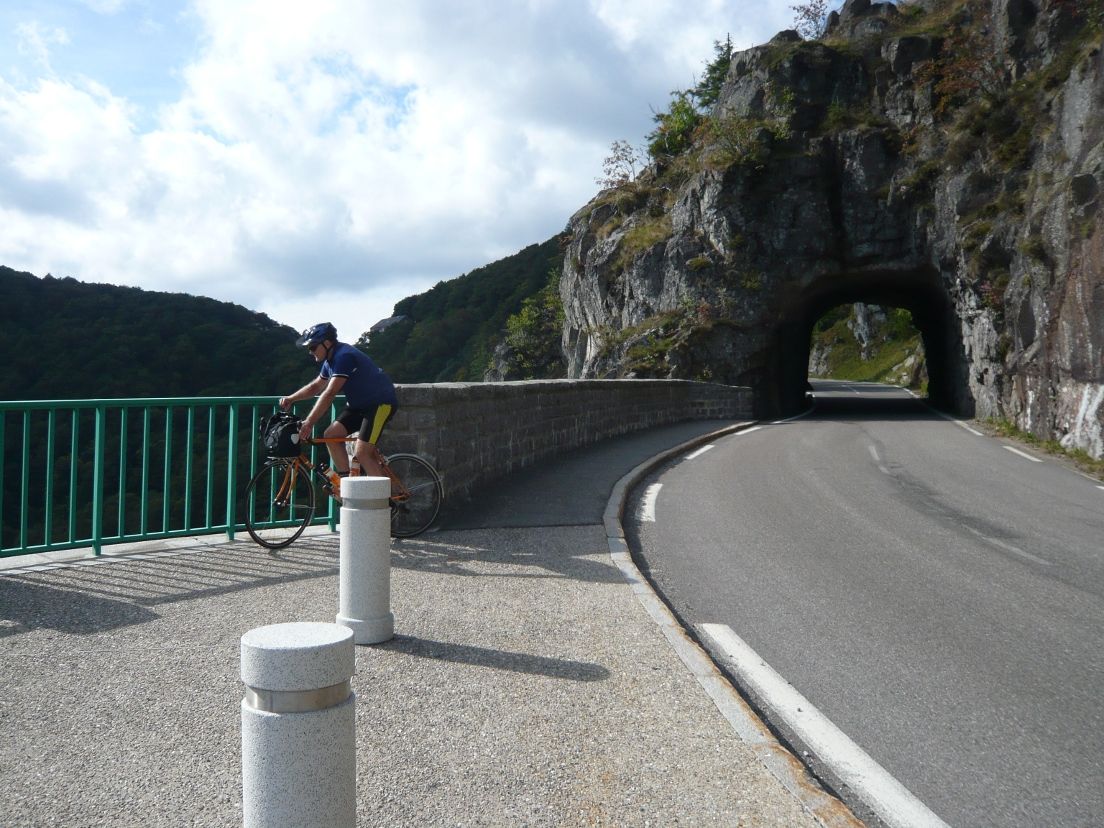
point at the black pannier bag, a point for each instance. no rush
(280, 434)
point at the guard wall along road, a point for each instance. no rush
(475, 432)
(90, 473)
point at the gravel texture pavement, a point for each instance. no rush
(526, 685)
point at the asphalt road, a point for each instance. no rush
(936, 595)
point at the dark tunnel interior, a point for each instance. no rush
(919, 291)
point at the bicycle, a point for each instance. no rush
(280, 498)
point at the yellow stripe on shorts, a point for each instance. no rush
(382, 413)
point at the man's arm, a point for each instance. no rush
(333, 388)
(311, 389)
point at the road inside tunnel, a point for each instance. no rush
(920, 291)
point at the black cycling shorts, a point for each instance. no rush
(368, 421)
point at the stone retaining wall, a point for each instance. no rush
(475, 432)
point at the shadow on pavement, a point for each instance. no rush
(449, 557)
(27, 606)
(570, 489)
(497, 659)
(110, 594)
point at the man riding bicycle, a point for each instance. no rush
(369, 398)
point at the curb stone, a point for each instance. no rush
(782, 764)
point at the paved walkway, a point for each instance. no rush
(533, 679)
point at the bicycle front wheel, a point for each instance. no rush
(415, 504)
(279, 503)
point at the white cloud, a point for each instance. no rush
(105, 6)
(340, 153)
(34, 41)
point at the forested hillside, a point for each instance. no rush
(867, 343)
(451, 330)
(64, 339)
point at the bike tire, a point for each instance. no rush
(279, 503)
(413, 515)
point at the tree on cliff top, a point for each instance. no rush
(676, 126)
(811, 18)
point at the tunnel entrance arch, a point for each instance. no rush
(919, 291)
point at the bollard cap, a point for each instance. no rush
(297, 656)
(365, 492)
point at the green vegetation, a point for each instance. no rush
(982, 111)
(747, 141)
(649, 342)
(73, 340)
(642, 237)
(1082, 459)
(453, 327)
(810, 18)
(677, 128)
(533, 335)
(891, 343)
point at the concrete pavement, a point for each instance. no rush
(534, 678)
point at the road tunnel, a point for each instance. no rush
(918, 291)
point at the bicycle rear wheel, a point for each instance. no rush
(279, 503)
(416, 507)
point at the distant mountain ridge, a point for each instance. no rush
(450, 332)
(65, 339)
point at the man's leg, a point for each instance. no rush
(368, 457)
(339, 457)
(370, 429)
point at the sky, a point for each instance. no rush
(322, 160)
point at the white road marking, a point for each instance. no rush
(747, 431)
(1023, 454)
(648, 504)
(881, 466)
(699, 452)
(887, 797)
(805, 413)
(958, 423)
(1101, 488)
(1015, 550)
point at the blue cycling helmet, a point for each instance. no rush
(317, 333)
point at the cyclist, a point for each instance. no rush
(369, 397)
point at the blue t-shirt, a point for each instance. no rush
(365, 384)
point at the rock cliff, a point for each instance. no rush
(945, 156)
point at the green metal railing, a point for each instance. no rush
(89, 473)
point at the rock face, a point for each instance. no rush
(947, 157)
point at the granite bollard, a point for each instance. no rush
(365, 559)
(298, 726)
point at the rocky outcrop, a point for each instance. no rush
(947, 157)
(857, 343)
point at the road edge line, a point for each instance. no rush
(826, 808)
(894, 804)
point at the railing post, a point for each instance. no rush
(122, 469)
(209, 501)
(25, 480)
(98, 478)
(232, 472)
(74, 462)
(143, 508)
(167, 471)
(334, 511)
(3, 453)
(48, 510)
(188, 450)
(365, 559)
(298, 726)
